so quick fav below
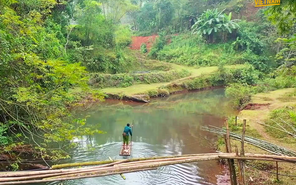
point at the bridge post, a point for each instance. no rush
(230, 161)
(242, 154)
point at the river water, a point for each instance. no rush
(166, 126)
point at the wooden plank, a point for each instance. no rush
(126, 151)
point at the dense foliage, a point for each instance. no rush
(175, 16)
(36, 78)
(49, 47)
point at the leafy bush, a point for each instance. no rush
(109, 61)
(163, 92)
(144, 48)
(286, 118)
(214, 25)
(239, 94)
(187, 49)
(158, 45)
(152, 93)
(4, 139)
(247, 75)
(249, 38)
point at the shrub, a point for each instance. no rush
(163, 92)
(239, 94)
(144, 48)
(286, 118)
(153, 93)
(249, 38)
(123, 36)
(158, 45)
(247, 75)
(4, 140)
(191, 50)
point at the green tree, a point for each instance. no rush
(93, 28)
(35, 85)
(165, 12)
(115, 10)
(283, 17)
(146, 19)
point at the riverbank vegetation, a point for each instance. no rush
(53, 54)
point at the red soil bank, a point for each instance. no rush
(138, 41)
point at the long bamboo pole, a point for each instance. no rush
(26, 173)
(77, 177)
(68, 165)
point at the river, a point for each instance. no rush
(163, 127)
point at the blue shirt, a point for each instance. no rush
(128, 130)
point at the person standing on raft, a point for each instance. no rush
(127, 130)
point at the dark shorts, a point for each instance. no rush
(125, 139)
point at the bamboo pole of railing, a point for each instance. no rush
(28, 173)
(272, 148)
(69, 165)
(262, 157)
(106, 164)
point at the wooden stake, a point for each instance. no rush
(239, 166)
(242, 162)
(235, 120)
(230, 163)
(228, 138)
(243, 138)
(277, 171)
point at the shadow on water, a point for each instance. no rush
(167, 126)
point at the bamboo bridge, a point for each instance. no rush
(112, 167)
(73, 171)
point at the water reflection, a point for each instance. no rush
(168, 126)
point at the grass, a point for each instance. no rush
(274, 97)
(144, 88)
(134, 89)
(277, 100)
(255, 117)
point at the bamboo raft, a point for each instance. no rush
(112, 167)
(126, 151)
